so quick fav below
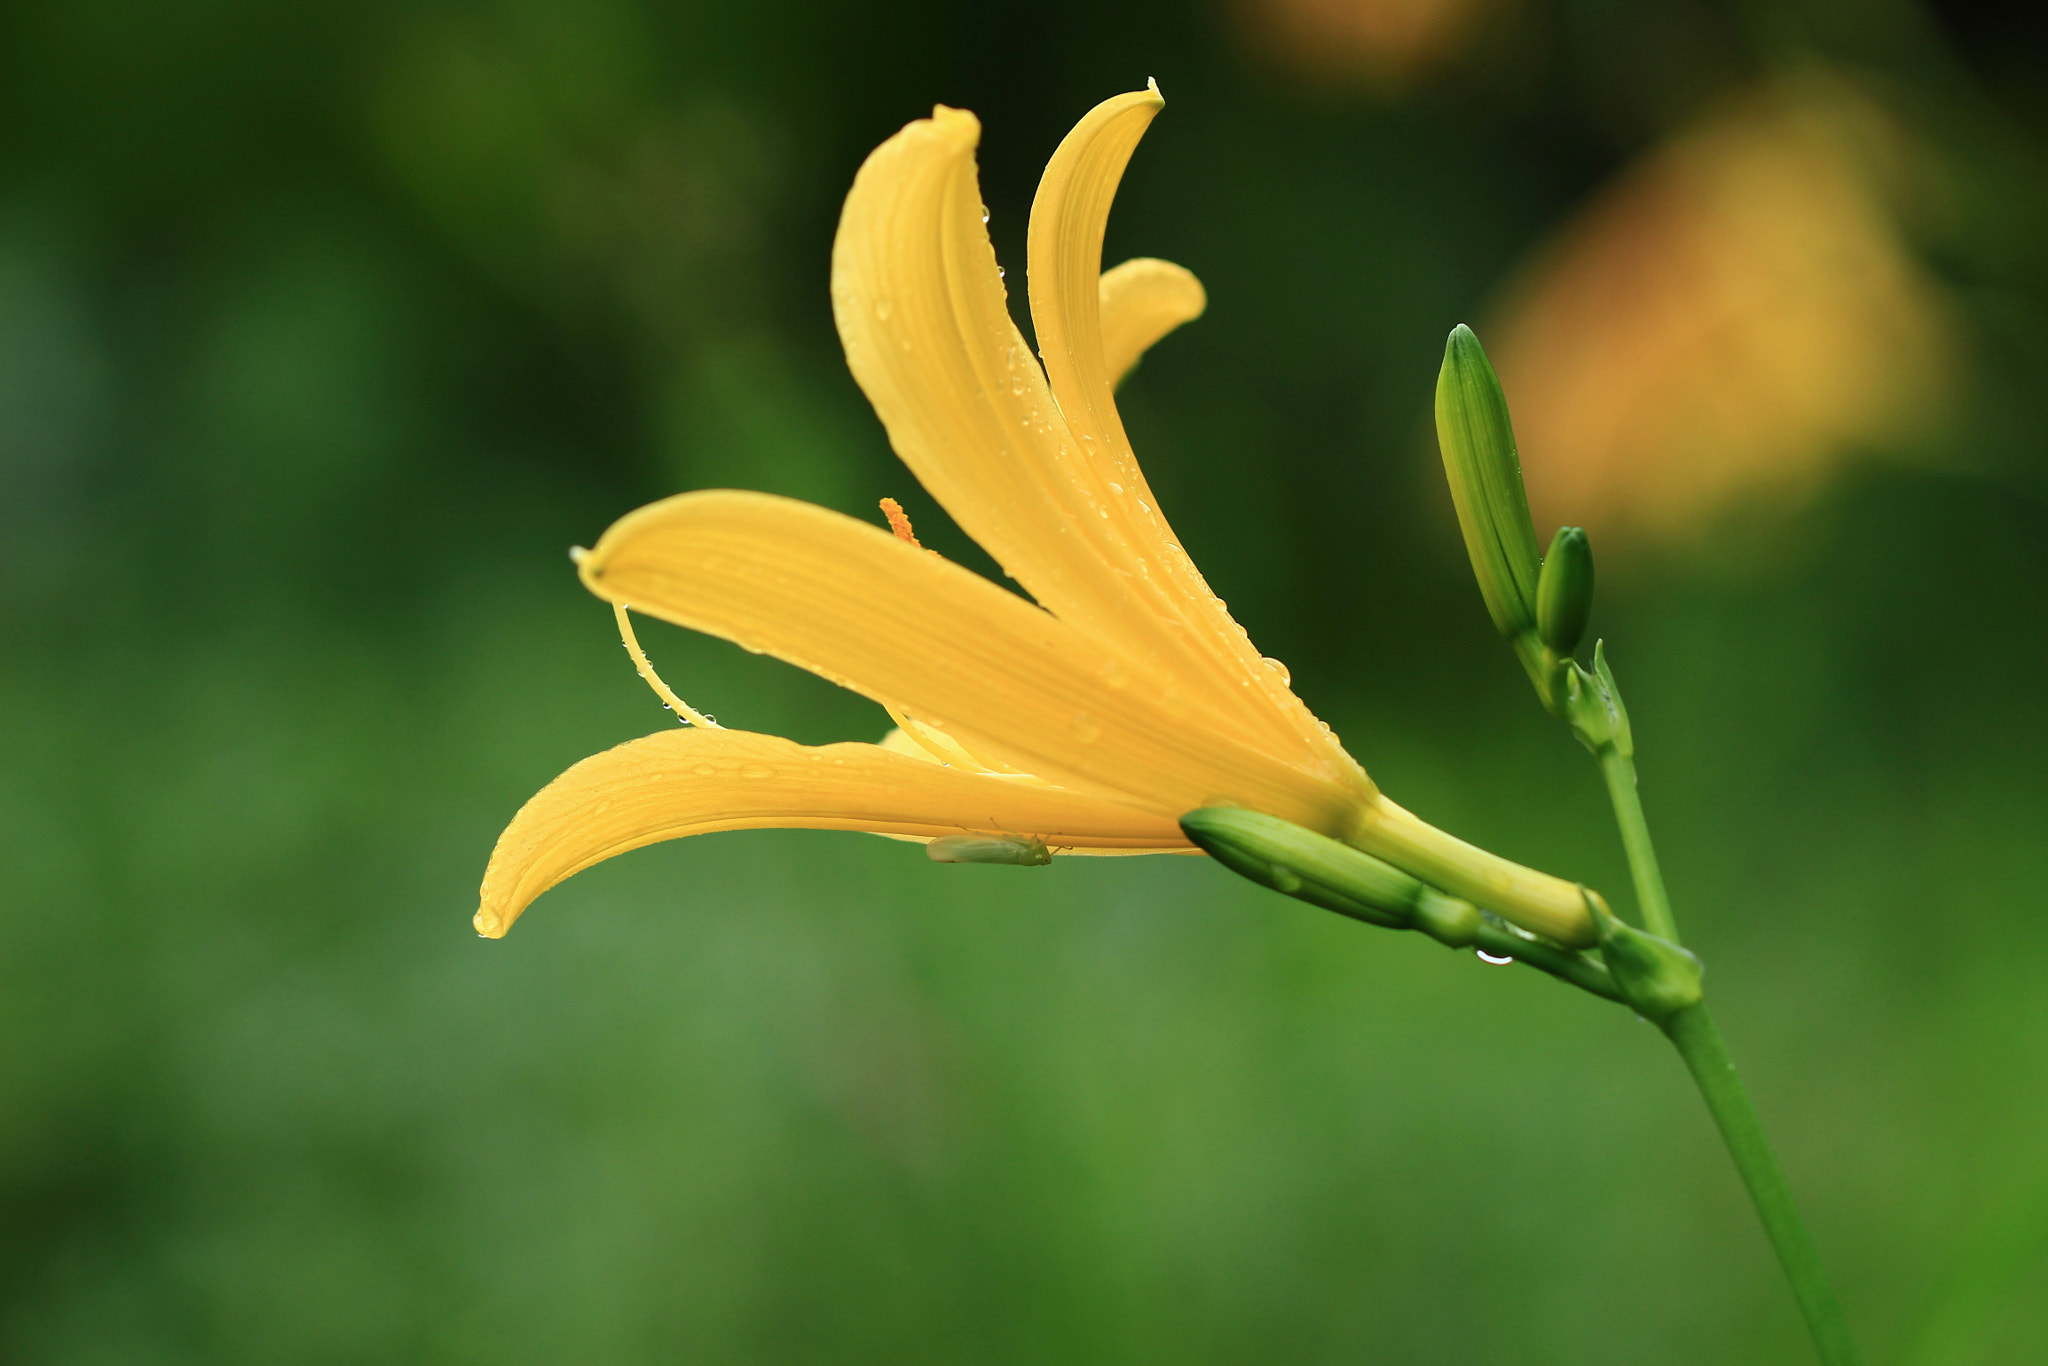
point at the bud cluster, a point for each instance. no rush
(1541, 605)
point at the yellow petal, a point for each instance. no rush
(921, 311)
(693, 782)
(1142, 300)
(1068, 218)
(928, 639)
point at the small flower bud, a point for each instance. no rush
(1593, 707)
(1564, 591)
(1307, 866)
(1478, 445)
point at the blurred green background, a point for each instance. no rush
(325, 329)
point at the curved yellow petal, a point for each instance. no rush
(1010, 682)
(1068, 218)
(692, 782)
(922, 313)
(1141, 301)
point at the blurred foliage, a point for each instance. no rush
(325, 329)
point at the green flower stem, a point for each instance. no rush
(1619, 768)
(1692, 1031)
(1564, 964)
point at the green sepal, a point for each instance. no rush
(1564, 591)
(1657, 978)
(1485, 473)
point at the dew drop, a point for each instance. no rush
(757, 771)
(1277, 667)
(1286, 879)
(1085, 727)
(999, 272)
(703, 770)
(881, 310)
(984, 213)
(1116, 488)
(1113, 673)
(1493, 958)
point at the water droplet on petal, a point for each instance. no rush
(703, 770)
(1493, 958)
(1113, 673)
(757, 771)
(1277, 667)
(1085, 727)
(1286, 879)
(881, 310)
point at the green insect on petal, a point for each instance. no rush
(1028, 850)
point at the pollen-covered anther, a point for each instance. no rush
(899, 522)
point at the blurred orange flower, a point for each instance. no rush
(1383, 43)
(1732, 319)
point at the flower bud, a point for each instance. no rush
(1564, 591)
(1485, 473)
(1307, 866)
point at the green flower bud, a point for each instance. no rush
(1593, 707)
(1319, 870)
(1564, 591)
(1478, 444)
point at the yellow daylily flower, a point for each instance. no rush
(1090, 720)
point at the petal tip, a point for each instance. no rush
(957, 125)
(489, 924)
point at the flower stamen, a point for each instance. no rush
(685, 713)
(899, 521)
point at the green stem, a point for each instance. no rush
(1692, 1031)
(1620, 771)
(1585, 973)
